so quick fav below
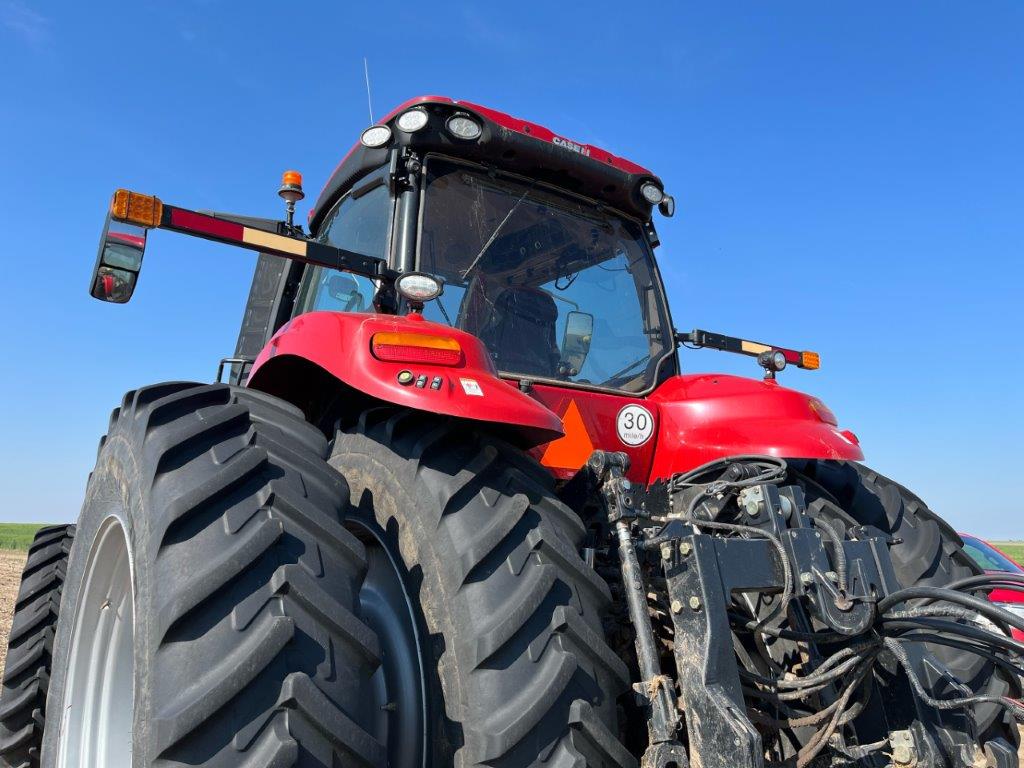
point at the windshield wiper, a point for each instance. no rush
(494, 234)
(628, 368)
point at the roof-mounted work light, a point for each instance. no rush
(464, 127)
(412, 120)
(375, 136)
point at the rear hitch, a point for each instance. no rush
(747, 561)
(656, 688)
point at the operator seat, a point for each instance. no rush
(521, 332)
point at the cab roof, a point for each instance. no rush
(507, 143)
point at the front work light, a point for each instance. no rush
(772, 360)
(463, 127)
(413, 120)
(418, 287)
(375, 136)
(651, 193)
(416, 348)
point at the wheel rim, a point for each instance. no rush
(96, 724)
(397, 708)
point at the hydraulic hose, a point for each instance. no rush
(982, 606)
(953, 628)
(840, 552)
(1015, 707)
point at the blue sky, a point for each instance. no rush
(849, 178)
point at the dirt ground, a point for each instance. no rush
(11, 565)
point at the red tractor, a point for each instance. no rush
(459, 506)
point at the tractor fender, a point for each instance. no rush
(340, 343)
(710, 416)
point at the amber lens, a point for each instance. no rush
(142, 210)
(416, 348)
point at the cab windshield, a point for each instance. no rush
(556, 288)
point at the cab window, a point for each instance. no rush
(556, 287)
(360, 223)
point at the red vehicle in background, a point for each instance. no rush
(992, 560)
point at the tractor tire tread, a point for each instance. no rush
(27, 671)
(257, 649)
(482, 524)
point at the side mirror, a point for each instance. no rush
(344, 288)
(579, 330)
(119, 262)
(667, 206)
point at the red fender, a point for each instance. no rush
(710, 416)
(340, 343)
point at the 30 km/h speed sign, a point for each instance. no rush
(635, 425)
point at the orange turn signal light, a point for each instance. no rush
(416, 348)
(822, 411)
(133, 208)
(810, 360)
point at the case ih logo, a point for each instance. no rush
(571, 145)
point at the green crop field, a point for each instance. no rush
(1014, 549)
(17, 535)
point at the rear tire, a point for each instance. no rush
(519, 672)
(926, 552)
(247, 651)
(30, 647)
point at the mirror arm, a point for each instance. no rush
(252, 234)
(256, 222)
(708, 340)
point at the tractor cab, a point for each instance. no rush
(543, 245)
(557, 287)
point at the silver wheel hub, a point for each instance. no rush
(96, 724)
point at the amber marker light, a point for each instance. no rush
(810, 360)
(133, 208)
(416, 348)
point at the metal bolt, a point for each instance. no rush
(831, 575)
(685, 549)
(903, 751)
(677, 607)
(666, 551)
(806, 579)
(694, 602)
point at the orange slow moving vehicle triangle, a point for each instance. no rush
(573, 449)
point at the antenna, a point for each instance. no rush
(369, 99)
